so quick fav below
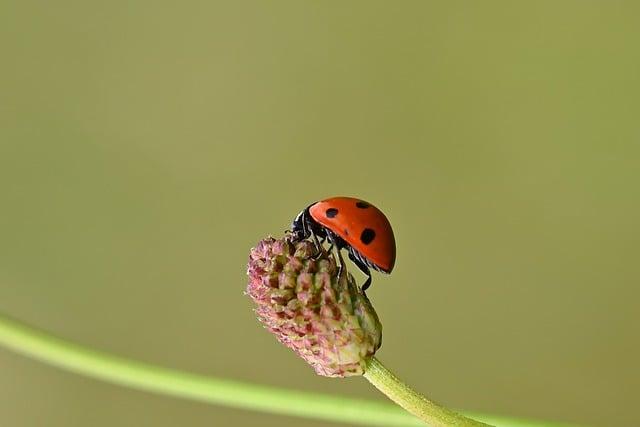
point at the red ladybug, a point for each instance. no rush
(354, 224)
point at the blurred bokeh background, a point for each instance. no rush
(146, 146)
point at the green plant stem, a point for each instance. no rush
(84, 361)
(428, 411)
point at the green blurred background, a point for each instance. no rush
(146, 146)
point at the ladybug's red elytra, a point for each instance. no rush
(354, 224)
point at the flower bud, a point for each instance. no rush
(324, 318)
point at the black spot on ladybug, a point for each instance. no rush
(346, 232)
(362, 205)
(367, 236)
(331, 212)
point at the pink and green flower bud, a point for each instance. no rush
(326, 320)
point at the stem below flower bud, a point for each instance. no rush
(428, 411)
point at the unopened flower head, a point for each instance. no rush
(324, 318)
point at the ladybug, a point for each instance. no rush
(352, 224)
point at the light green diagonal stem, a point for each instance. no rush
(129, 373)
(427, 410)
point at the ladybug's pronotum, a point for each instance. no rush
(354, 224)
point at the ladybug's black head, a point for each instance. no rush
(299, 228)
(303, 226)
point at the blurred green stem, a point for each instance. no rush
(428, 411)
(84, 361)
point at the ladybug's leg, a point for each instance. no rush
(333, 244)
(363, 267)
(324, 239)
(319, 246)
(319, 242)
(308, 231)
(316, 241)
